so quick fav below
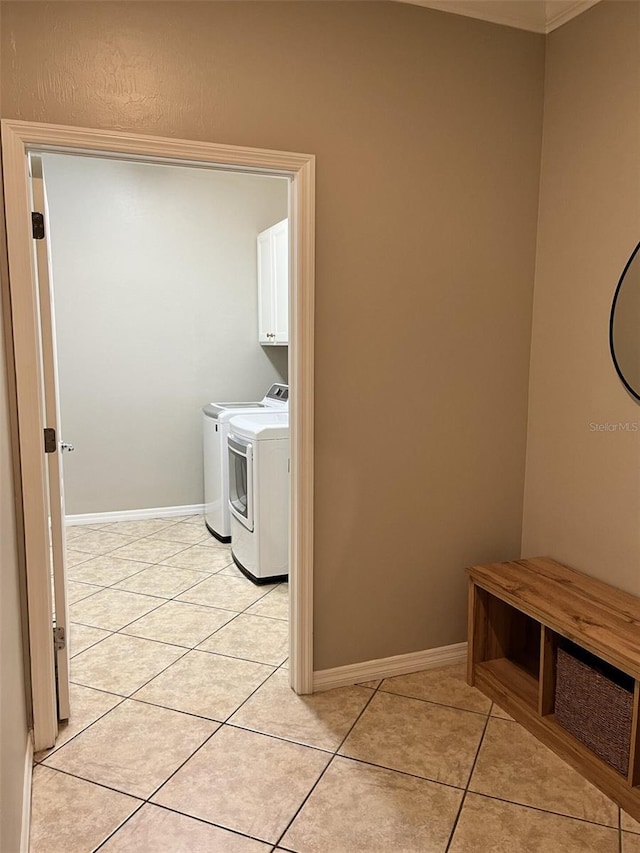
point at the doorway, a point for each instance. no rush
(22, 139)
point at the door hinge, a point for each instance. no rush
(50, 443)
(37, 225)
(59, 639)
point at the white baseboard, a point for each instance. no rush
(341, 676)
(133, 514)
(26, 796)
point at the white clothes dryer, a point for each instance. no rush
(259, 495)
(216, 417)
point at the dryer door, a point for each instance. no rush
(241, 479)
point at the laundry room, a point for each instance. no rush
(163, 290)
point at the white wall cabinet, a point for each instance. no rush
(273, 285)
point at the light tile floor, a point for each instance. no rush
(185, 736)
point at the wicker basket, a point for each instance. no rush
(594, 702)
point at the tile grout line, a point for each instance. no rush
(55, 749)
(113, 551)
(84, 597)
(166, 600)
(92, 782)
(97, 847)
(195, 751)
(273, 667)
(147, 800)
(177, 595)
(130, 697)
(230, 724)
(110, 552)
(270, 735)
(144, 802)
(513, 802)
(230, 656)
(374, 690)
(145, 565)
(245, 609)
(163, 600)
(105, 528)
(466, 788)
(333, 755)
(328, 765)
(189, 817)
(180, 601)
(399, 772)
(130, 541)
(432, 701)
(543, 811)
(222, 724)
(126, 625)
(123, 698)
(82, 625)
(162, 671)
(104, 525)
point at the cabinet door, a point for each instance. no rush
(266, 292)
(280, 250)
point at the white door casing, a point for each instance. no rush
(20, 139)
(54, 458)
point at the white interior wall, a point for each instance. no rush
(155, 291)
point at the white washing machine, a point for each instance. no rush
(259, 495)
(216, 417)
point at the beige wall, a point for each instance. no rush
(427, 131)
(13, 712)
(582, 501)
(156, 304)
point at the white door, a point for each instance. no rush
(53, 443)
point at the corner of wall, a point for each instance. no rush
(533, 303)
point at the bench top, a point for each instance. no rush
(596, 616)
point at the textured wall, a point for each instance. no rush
(582, 501)
(156, 303)
(427, 131)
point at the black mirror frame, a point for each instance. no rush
(632, 391)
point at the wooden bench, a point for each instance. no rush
(518, 614)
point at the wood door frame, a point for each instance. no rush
(19, 139)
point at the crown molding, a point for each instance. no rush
(569, 11)
(538, 16)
